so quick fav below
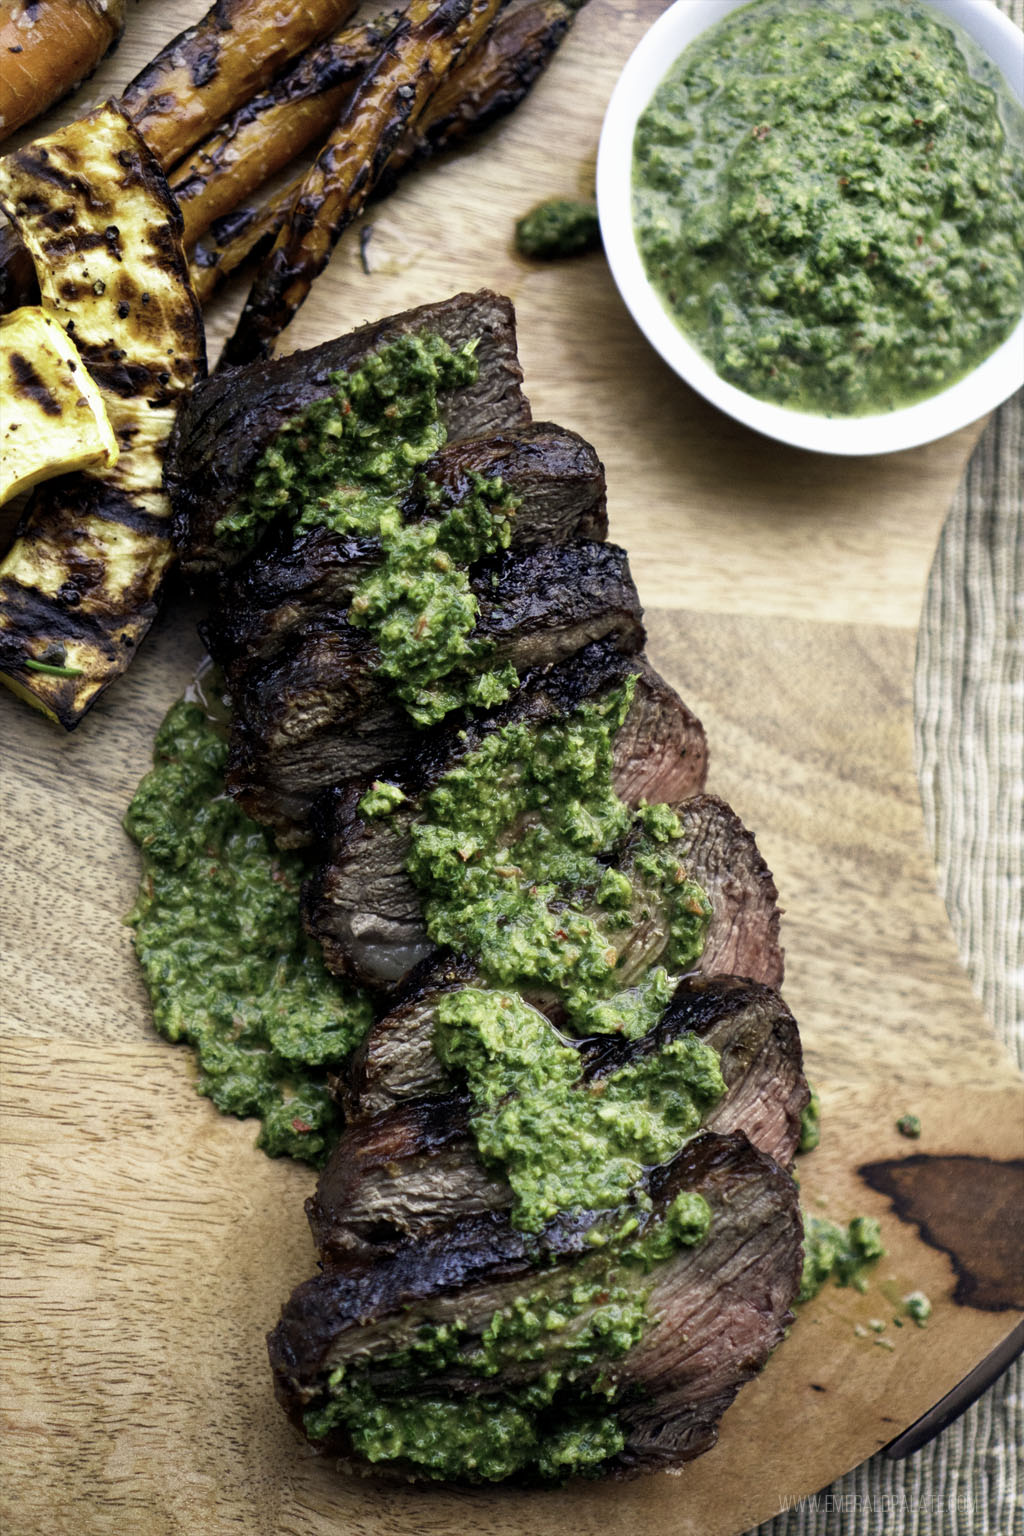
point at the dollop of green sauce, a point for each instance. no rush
(918, 1306)
(563, 1144)
(479, 1439)
(810, 1123)
(827, 197)
(421, 609)
(346, 462)
(381, 799)
(558, 1424)
(560, 227)
(510, 854)
(222, 949)
(341, 462)
(842, 1252)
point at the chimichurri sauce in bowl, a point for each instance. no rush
(829, 200)
(814, 211)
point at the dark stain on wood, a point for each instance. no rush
(972, 1208)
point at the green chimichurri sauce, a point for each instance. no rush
(421, 608)
(842, 1252)
(346, 463)
(227, 964)
(559, 227)
(578, 1320)
(565, 1145)
(810, 1123)
(827, 197)
(509, 855)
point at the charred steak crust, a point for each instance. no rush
(227, 421)
(413, 1166)
(292, 583)
(715, 1311)
(361, 904)
(321, 712)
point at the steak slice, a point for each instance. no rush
(720, 853)
(224, 426)
(323, 713)
(362, 905)
(715, 1311)
(412, 1166)
(292, 583)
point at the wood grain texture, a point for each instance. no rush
(148, 1245)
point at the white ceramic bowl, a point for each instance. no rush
(980, 391)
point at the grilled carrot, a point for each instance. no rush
(491, 82)
(209, 70)
(420, 53)
(264, 134)
(48, 47)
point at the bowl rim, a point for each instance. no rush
(987, 385)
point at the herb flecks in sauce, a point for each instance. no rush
(827, 197)
(481, 1440)
(509, 856)
(420, 607)
(220, 942)
(564, 1144)
(918, 1306)
(559, 227)
(910, 1126)
(341, 462)
(347, 463)
(843, 1252)
(577, 1321)
(381, 799)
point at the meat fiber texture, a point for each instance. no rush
(716, 1311)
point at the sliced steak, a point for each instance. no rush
(362, 905)
(409, 1171)
(395, 1062)
(322, 713)
(225, 424)
(292, 583)
(719, 852)
(412, 1167)
(715, 1311)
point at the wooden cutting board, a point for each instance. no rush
(148, 1245)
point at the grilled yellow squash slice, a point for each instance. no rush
(54, 419)
(80, 585)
